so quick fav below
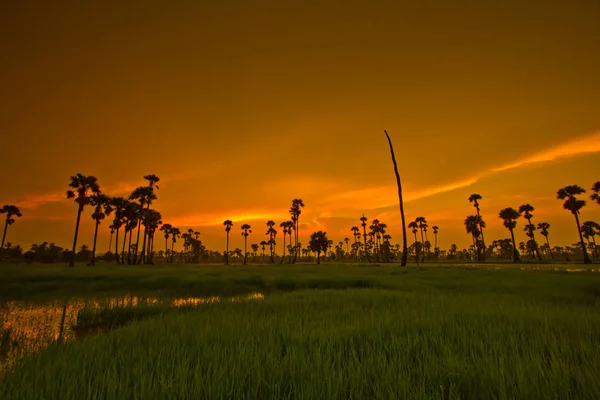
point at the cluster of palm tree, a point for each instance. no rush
(475, 224)
(371, 241)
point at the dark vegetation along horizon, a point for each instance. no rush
(499, 320)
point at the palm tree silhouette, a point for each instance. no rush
(318, 243)
(596, 189)
(152, 181)
(254, 248)
(415, 228)
(295, 211)
(112, 232)
(166, 229)
(153, 220)
(175, 233)
(400, 200)
(287, 229)
(144, 195)
(591, 228)
(263, 244)
(572, 204)
(526, 210)
(271, 232)
(510, 215)
(10, 211)
(102, 208)
(422, 223)
(543, 228)
(474, 198)
(363, 221)
(227, 224)
(119, 205)
(472, 223)
(245, 232)
(347, 240)
(83, 187)
(435, 233)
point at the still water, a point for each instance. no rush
(29, 327)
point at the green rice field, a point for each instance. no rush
(306, 332)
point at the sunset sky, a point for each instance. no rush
(241, 106)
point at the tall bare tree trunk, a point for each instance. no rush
(404, 246)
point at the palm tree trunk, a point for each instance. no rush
(422, 246)
(515, 251)
(549, 248)
(586, 259)
(245, 248)
(93, 260)
(117, 245)
(72, 260)
(143, 253)
(404, 245)
(123, 249)
(296, 248)
(129, 248)
(227, 250)
(4, 235)
(595, 247)
(110, 241)
(137, 241)
(283, 257)
(172, 247)
(166, 245)
(482, 237)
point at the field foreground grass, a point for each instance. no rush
(437, 333)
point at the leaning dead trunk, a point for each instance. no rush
(404, 247)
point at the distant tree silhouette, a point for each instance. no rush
(474, 198)
(596, 192)
(400, 200)
(573, 204)
(472, 224)
(263, 245)
(152, 183)
(102, 208)
(119, 206)
(153, 221)
(295, 211)
(254, 248)
(175, 233)
(166, 230)
(84, 187)
(227, 224)
(543, 228)
(245, 232)
(526, 210)
(144, 195)
(287, 230)
(422, 224)
(414, 225)
(363, 223)
(435, 233)
(271, 232)
(590, 229)
(11, 211)
(318, 243)
(510, 215)
(111, 227)
(347, 240)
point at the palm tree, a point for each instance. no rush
(271, 242)
(474, 198)
(295, 211)
(119, 206)
(152, 181)
(263, 244)
(166, 229)
(543, 228)
(227, 224)
(245, 232)
(415, 228)
(10, 211)
(510, 215)
(254, 248)
(347, 240)
(144, 195)
(596, 195)
(175, 233)
(400, 200)
(435, 233)
(591, 228)
(153, 220)
(287, 229)
(472, 224)
(102, 208)
(526, 210)
(572, 204)
(422, 222)
(112, 232)
(83, 187)
(131, 217)
(363, 223)
(318, 243)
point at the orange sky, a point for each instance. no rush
(241, 106)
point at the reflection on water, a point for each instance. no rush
(27, 327)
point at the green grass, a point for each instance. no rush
(416, 333)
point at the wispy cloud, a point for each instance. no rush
(583, 145)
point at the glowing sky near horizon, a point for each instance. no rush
(241, 106)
